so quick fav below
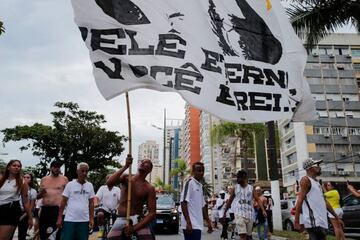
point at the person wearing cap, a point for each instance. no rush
(220, 206)
(312, 203)
(51, 190)
(269, 213)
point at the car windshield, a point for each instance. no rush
(164, 200)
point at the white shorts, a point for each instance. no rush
(243, 225)
(338, 212)
(118, 226)
(215, 215)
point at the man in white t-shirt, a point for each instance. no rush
(108, 199)
(193, 205)
(78, 197)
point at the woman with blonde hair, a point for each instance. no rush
(12, 191)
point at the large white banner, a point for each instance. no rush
(237, 59)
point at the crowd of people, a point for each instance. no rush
(66, 210)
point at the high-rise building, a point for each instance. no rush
(332, 71)
(150, 150)
(210, 153)
(172, 146)
(190, 148)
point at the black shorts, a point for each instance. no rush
(47, 222)
(10, 213)
(316, 233)
(107, 215)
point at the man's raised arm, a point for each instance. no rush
(118, 177)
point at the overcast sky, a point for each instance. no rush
(44, 60)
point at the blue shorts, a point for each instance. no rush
(75, 230)
(195, 234)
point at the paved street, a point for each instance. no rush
(213, 236)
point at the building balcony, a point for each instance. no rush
(341, 174)
(343, 58)
(353, 105)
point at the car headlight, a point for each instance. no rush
(174, 210)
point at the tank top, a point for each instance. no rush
(9, 192)
(314, 207)
(243, 201)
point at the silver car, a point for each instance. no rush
(288, 213)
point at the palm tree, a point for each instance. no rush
(161, 186)
(2, 28)
(181, 170)
(319, 18)
(207, 188)
(243, 134)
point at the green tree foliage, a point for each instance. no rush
(98, 176)
(181, 170)
(75, 136)
(207, 188)
(318, 18)
(2, 28)
(2, 166)
(161, 186)
(241, 133)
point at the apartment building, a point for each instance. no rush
(333, 73)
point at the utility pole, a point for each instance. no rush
(164, 150)
(212, 155)
(274, 175)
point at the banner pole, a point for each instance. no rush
(130, 152)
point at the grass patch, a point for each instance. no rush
(296, 235)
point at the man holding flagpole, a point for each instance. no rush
(142, 193)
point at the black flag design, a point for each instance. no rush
(256, 41)
(124, 11)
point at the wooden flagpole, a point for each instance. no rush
(130, 152)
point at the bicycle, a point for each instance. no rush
(108, 223)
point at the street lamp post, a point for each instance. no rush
(164, 142)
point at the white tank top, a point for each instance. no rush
(243, 201)
(9, 192)
(314, 207)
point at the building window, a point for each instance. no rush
(312, 66)
(340, 114)
(341, 50)
(330, 81)
(325, 50)
(355, 52)
(354, 131)
(321, 130)
(357, 66)
(323, 114)
(347, 81)
(339, 131)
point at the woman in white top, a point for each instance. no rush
(23, 224)
(12, 190)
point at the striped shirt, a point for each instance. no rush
(192, 193)
(244, 201)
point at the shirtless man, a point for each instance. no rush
(51, 189)
(142, 193)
